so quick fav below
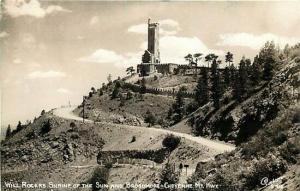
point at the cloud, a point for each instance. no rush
(3, 34)
(63, 91)
(254, 41)
(102, 56)
(17, 61)
(17, 8)
(174, 48)
(167, 27)
(46, 74)
(94, 20)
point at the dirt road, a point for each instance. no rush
(218, 146)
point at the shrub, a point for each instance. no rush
(122, 101)
(75, 135)
(46, 127)
(270, 167)
(291, 149)
(100, 92)
(168, 176)
(43, 112)
(108, 165)
(72, 125)
(150, 118)
(296, 118)
(129, 95)
(31, 135)
(100, 176)
(171, 142)
(115, 93)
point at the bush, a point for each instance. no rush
(72, 125)
(115, 93)
(168, 176)
(291, 149)
(150, 118)
(100, 176)
(43, 112)
(171, 142)
(271, 168)
(129, 95)
(75, 135)
(46, 127)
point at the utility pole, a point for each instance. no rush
(83, 102)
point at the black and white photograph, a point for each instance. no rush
(100, 95)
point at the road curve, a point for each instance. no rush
(220, 147)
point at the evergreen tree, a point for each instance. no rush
(202, 90)
(143, 86)
(168, 176)
(130, 70)
(241, 81)
(19, 126)
(268, 57)
(243, 76)
(150, 118)
(115, 93)
(209, 58)
(216, 88)
(189, 58)
(287, 50)
(229, 58)
(177, 107)
(8, 132)
(93, 90)
(232, 73)
(227, 76)
(237, 87)
(256, 72)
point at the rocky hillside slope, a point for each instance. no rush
(266, 126)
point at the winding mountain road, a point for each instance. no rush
(218, 146)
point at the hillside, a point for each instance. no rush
(265, 126)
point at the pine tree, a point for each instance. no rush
(241, 81)
(115, 93)
(202, 90)
(168, 176)
(229, 58)
(232, 74)
(256, 72)
(243, 76)
(143, 86)
(150, 118)
(216, 88)
(177, 107)
(268, 57)
(19, 126)
(237, 87)
(8, 132)
(227, 76)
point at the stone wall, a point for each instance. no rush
(157, 156)
(158, 91)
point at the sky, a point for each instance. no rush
(53, 52)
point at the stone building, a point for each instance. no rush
(151, 58)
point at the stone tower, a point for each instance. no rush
(153, 41)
